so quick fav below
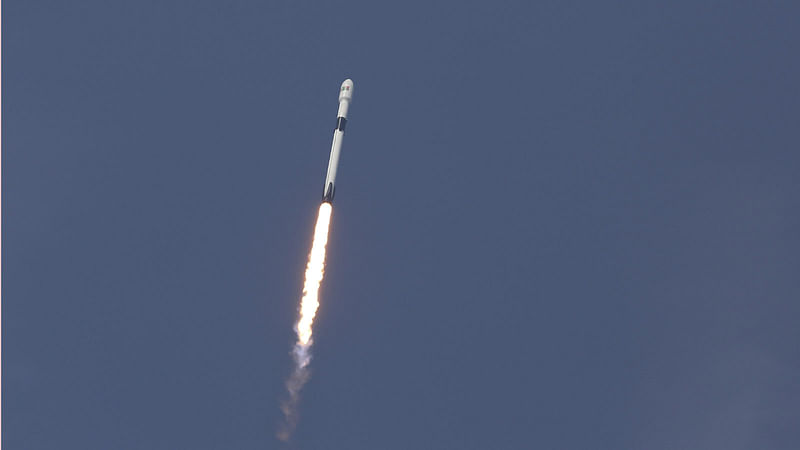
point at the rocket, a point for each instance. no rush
(345, 97)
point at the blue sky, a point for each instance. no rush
(558, 225)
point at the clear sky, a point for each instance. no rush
(558, 225)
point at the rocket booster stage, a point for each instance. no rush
(345, 97)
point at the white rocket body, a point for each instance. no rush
(345, 97)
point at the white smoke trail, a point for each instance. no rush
(301, 352)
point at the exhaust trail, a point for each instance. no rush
(301, 352)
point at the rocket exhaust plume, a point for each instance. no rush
(301, 352)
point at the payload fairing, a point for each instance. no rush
(345, 97)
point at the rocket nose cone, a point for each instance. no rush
(346, 91)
